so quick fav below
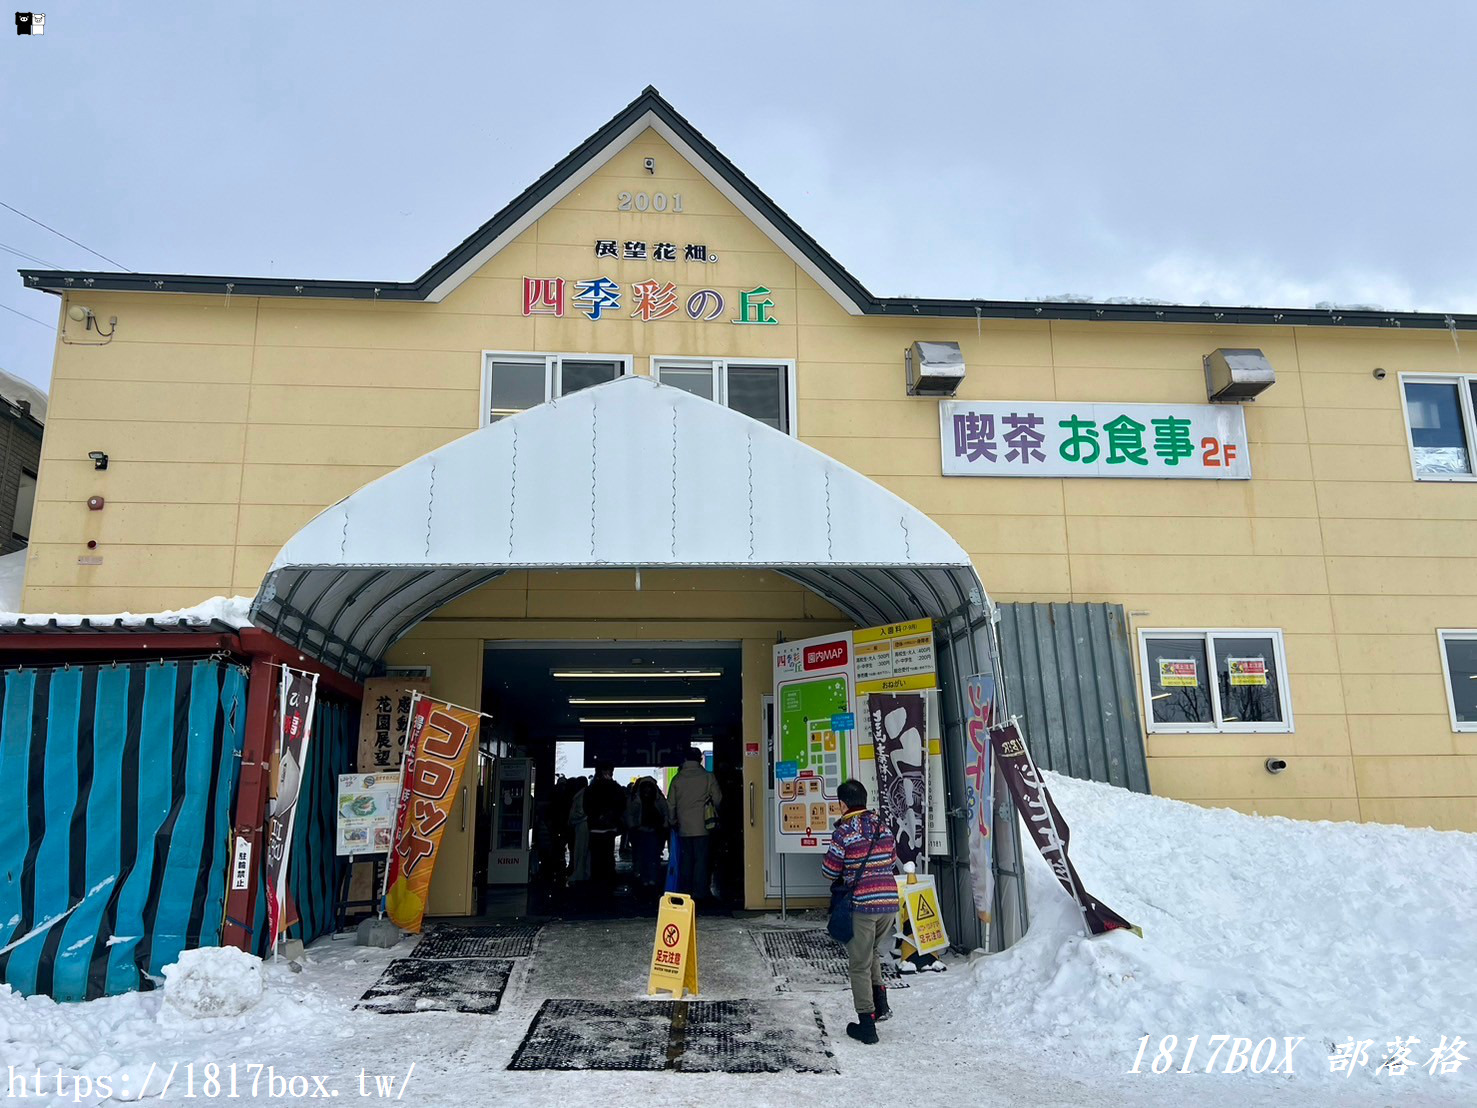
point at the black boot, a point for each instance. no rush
(880, 1007)
(865, 1029)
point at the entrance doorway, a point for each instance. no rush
(560, 712)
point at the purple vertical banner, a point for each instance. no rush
(979, 790)
(1034, 804)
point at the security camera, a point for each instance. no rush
(1379, 374)
(649, 164)
(1276, 765)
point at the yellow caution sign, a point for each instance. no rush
(674, 950)
(918, 904)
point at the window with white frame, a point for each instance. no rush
(1441, 419)
(1227, 680)
(762, 390)
(1459, 663)
(513, 383)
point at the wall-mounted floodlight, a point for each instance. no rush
(1236, 376)
(934, 368)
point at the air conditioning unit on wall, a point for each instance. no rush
(1236, 376)
(934, 368)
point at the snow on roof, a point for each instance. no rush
(230, 610)
(15, 390)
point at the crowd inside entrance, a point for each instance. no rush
(602, 847)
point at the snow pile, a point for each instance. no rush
(213, 981)
(1253, 927)
(232, 610)
(12, 577)
(215, 1002)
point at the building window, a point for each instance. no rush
(513, 383)
(25, 506)
(761, 390)
(1459, 663)
(1215, 681)
(1441, 418)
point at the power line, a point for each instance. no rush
(28, 257)
(33, 319)
(69, 238)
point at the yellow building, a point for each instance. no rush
(1284, 575)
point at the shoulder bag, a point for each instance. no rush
(839, 926)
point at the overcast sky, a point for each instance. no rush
(1238, 153)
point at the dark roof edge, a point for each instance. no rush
(58, 281)
(932, 308)
(1090, 311)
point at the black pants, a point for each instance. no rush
(694, 874)
(602, 859)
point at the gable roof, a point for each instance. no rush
(651, 110)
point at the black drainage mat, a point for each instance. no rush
(699, 1036)
(466, 985)
(497, 940)
(812, 957)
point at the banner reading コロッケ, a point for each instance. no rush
(441, 741)
(296, 695)
(1047, 826)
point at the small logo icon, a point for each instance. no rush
(30, 23)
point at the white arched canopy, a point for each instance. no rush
(626, 474)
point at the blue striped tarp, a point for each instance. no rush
(115, 790)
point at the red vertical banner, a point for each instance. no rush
(980, 792)
(297, 694)
(440, 743)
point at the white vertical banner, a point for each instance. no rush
(297, 695)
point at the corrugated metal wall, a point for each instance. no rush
(1069, 676)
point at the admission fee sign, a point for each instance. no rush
(674, 950)
(1036, 438)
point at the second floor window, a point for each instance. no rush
(1441, 418)
(513, 383)
(761, 390)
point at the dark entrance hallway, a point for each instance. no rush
(559, 712)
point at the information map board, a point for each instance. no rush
(815, 739)
(820, 687)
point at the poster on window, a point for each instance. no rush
(1178, 673)
(1247, 671)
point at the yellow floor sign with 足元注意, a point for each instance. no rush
(674, 950)
(918, 909)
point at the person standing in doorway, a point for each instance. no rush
(579, 834)
(864, 855)
(694, 798)
(647, 820)
(605, 809)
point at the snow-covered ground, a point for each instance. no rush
(1254, 928)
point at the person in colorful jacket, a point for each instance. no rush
(864, 855)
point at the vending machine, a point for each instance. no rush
(512, 819)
